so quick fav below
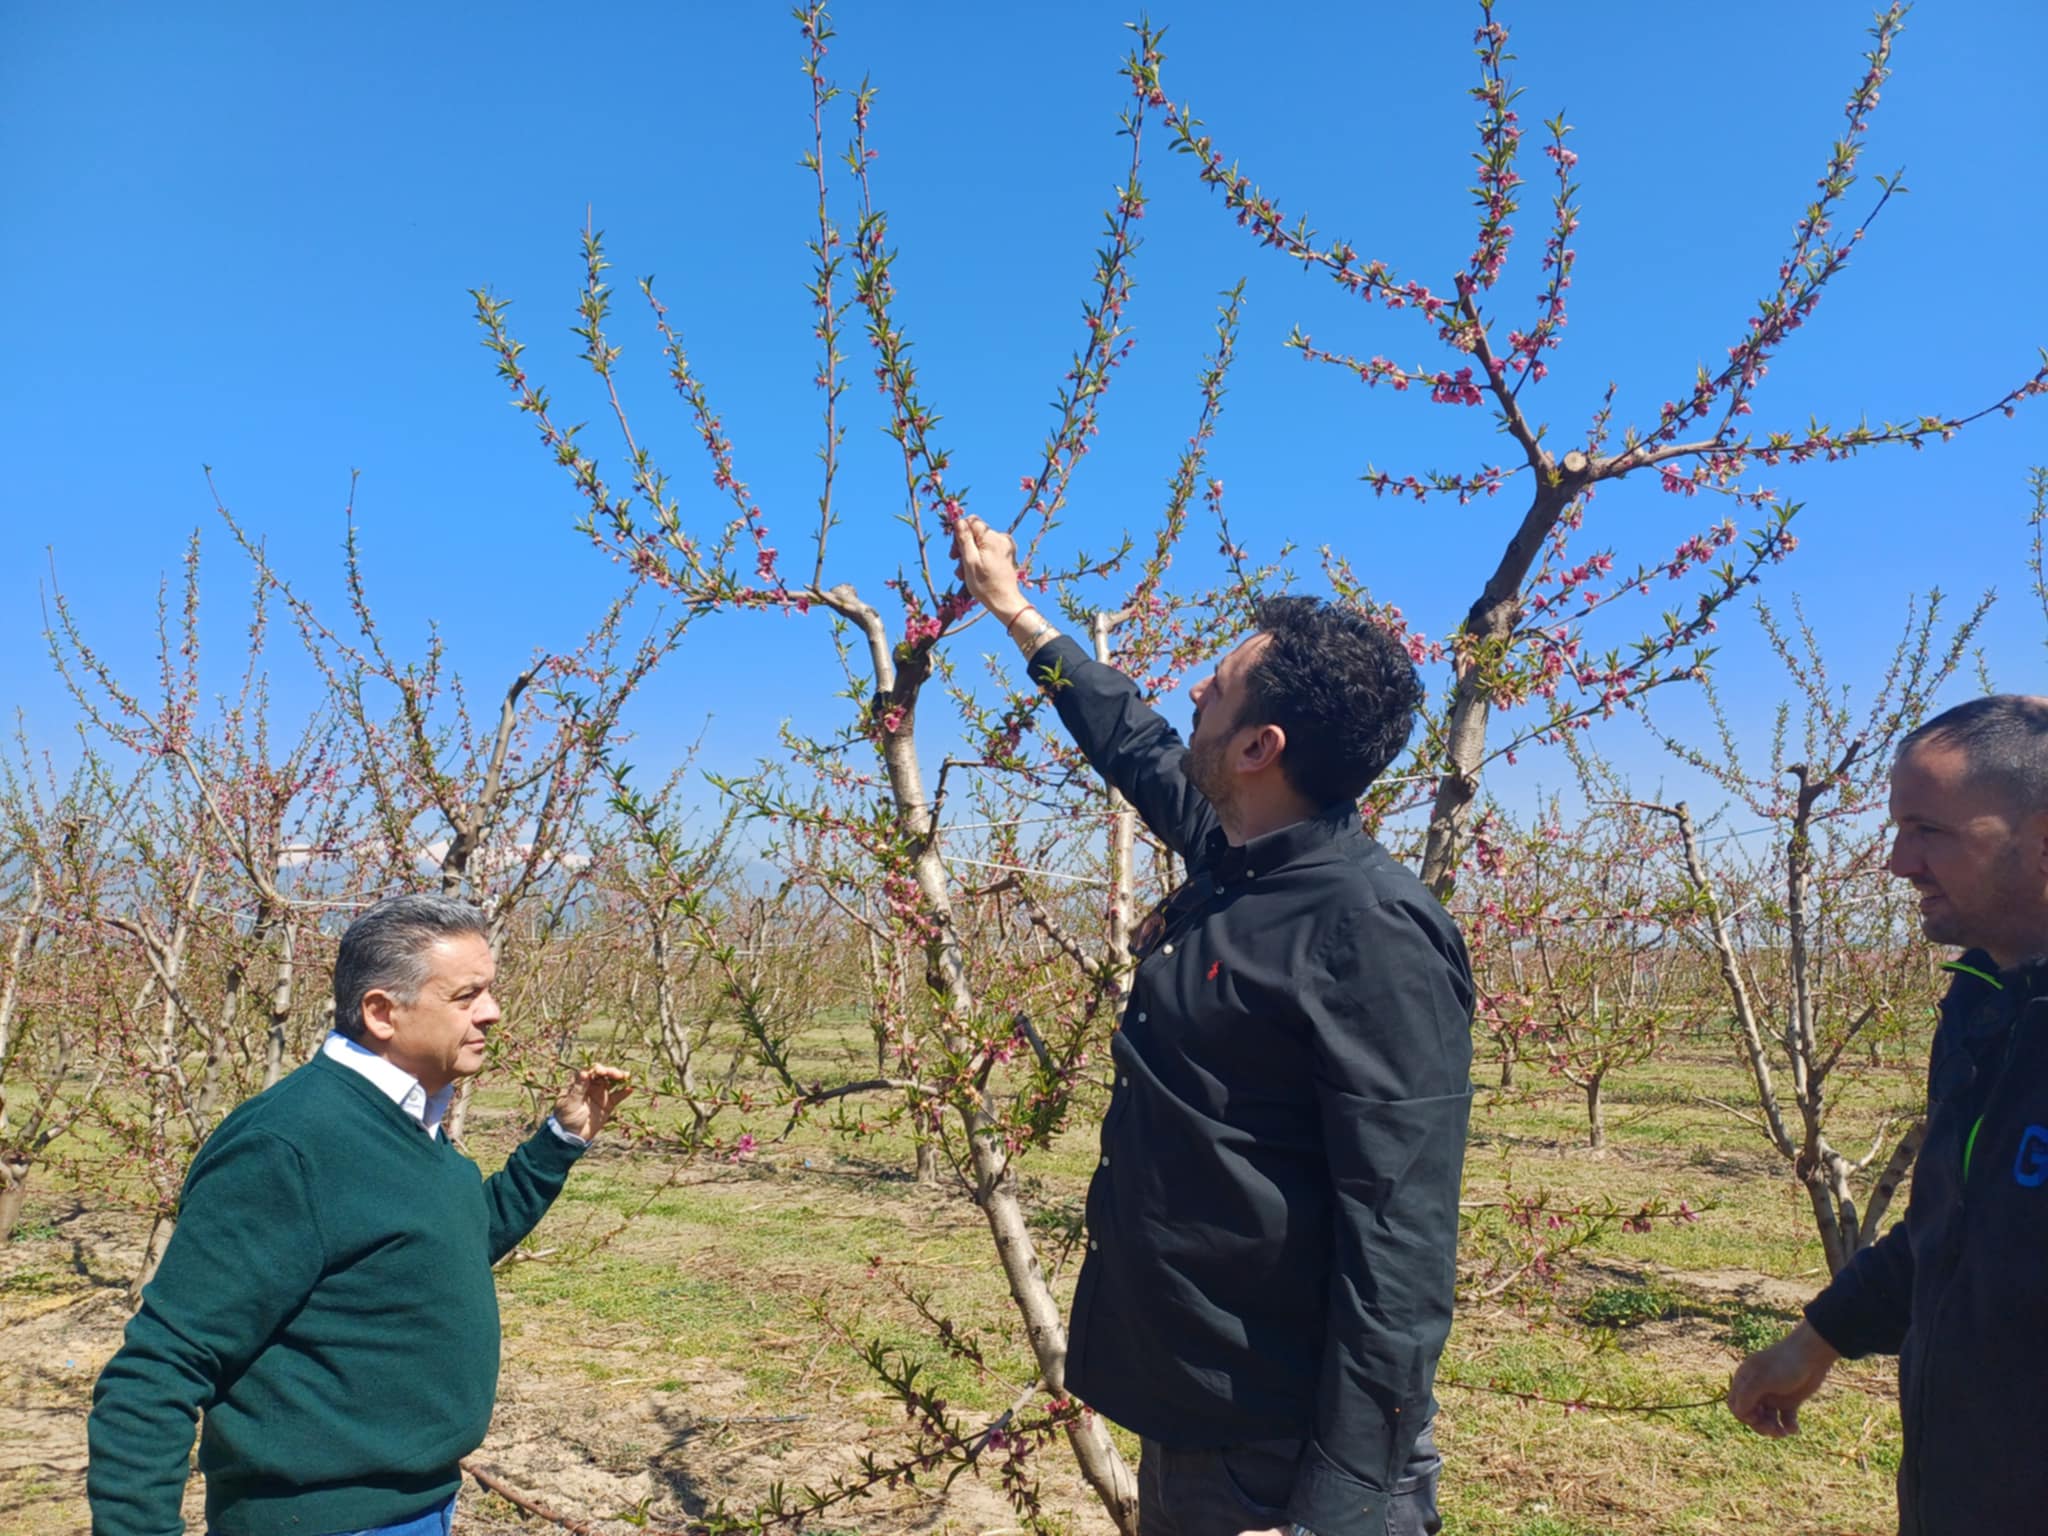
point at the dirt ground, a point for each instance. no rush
(622, 1455)
(680, 1367)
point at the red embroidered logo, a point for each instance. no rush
(1215, 970)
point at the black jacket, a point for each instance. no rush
(1956, 1290)
(1273, 1228)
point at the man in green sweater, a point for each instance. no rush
(327, 1300)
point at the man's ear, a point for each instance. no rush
(378, 1025)
(1264, 749)
(2035, 835)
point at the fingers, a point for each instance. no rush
(1742, 1390)
(1772, 1414)
(601, 1086)
(966, 552)
(995, 543)
(1758, 1424)
(1746, 1399)
(1767, 1388)
(1764, 1419)
(975, 542)
(985, 558)
(1774, 1423)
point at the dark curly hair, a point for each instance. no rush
(1341, 686)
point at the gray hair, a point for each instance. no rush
(385, 950)
(2004, 739)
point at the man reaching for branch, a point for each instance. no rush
(327, 1299)
(1273, 1226)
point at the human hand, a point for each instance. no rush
(587, 1103)
(1769, 1386)
(987, 561)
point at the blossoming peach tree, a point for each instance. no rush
(955, 1044)
(1814, 942)
(981, 1053)
(479, 803)
(193, 829)
(1522, 649)
(1579, 917)
(56, 985)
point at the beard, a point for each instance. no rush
(1946, 926)
(1205, 766)
(1990, 909)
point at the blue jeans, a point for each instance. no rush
(437, 1521)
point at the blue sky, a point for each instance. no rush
(242, 235)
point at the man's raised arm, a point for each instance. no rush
(1128, 741)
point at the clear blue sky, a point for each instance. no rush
(242, 235)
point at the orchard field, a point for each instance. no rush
(714, 1345)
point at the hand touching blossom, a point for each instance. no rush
(587, 1103)
(987, 561)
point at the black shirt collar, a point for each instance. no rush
(1275, 850)
(1976, 970)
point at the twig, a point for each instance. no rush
(1026, 869)
(526, 1256)
(751, 1418)
(1037, 1041)
(1579, 1404)
(532, 1506)
(1741, 1114)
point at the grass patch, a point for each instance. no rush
(713, 1286)
(1753, 1328)
(1628, 1306)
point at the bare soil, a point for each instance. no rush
(618, 1455)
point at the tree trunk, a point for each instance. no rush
(152, 1255)
(1904, 1155)
(226, 1024)
(675, 1036)
(1837, 1246)
(995, 1182)
(1748, 1028)
(456, 1121)
(13, 1195)
(927, 1163)
(1507, 1065)
(282, 989)
(1487, 629)
(26, 932)
(1596, 1112)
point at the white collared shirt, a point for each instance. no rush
(403, 1089)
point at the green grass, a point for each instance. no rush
(732, 1266)
(745, 1290)
(1753, 1328)
(1625, 1306)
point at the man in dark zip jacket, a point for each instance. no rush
(1956, 1290)
(1273, 1222)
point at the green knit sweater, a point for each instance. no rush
(327, 1302)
